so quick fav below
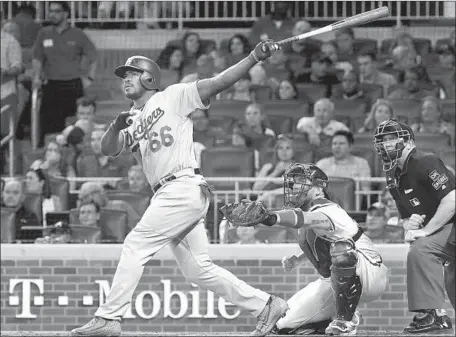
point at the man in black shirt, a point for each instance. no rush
(424, 191)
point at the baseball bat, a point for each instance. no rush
(34, 119)
(349, 22)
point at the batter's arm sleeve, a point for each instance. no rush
(297, 218)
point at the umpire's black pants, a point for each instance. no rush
(58, 102)
(425, 273)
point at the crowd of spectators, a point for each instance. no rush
(338, 92)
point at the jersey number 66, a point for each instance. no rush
(165, 139)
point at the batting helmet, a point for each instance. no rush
(150, 71)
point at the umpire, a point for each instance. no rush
(58, 54)
(424, 191)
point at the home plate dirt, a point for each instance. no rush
(185, 334)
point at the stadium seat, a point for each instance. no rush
(85, 234)
(350, 113)
(228, 108)
(283, 116)
(8, 226)
(61, 188)
(342, 191)
(228, 162)
(407, 110)
(223, 122)
(432, 141)
(113, 224)
(262, 93)
(207, 44)
(33, 202)
(364, 139)
(304, 153)
(137, 200)
(441, 42)
(28, 157)
(448, 156)
(311, 91)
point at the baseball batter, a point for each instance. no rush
(161, 138)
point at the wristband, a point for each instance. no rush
(254, 56)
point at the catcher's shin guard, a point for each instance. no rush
(346, 284)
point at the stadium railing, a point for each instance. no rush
(181, 12)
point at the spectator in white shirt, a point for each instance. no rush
(342, 163)
(321, 125)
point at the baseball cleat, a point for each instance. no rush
(99, 327)
(275, 309)
(432, 322)
(343, 328)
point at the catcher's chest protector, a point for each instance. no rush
(316, 250)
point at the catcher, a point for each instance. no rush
(351, 269)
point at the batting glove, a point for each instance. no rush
(264, 49)
(122, 121)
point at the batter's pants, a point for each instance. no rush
(425, 272)
(176, 217)
(316, 302)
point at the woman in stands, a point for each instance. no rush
(54, 162)
(381, 111)
(431, 119)
(238, 48)
(287, 91)
(171, 62)
(282, 159)
(36, 181)
(193, 49)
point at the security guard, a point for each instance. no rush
(424, 191)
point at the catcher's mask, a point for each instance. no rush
(299, 179)
(390, 140)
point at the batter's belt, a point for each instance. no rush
(181, 173)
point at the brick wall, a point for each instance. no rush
(73, 279)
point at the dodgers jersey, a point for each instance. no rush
(316, 242)
(161, 135)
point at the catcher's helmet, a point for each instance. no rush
(150, 71)
(390, 140)
(296, 182)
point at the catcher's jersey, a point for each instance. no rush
(316, 242)
(161, 135)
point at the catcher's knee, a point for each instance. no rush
(343, 253)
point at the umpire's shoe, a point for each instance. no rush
(98, 327)
(434, 322)
(275, 309)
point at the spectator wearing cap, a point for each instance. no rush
(57, 63)
(276, 25)
(36, 181)
(93, 163)
(410, 88)
(321, 73)
(431, 119)
(204, 69)
(343, 163)
(369, 72)
(171, 63)
(377, 228)
(380, 111)
(13, 196)
(322, 125)
(204, 133)
(350, 90)
(300, 52)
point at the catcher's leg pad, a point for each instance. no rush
(345, 282)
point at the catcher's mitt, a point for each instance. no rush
(245, 213)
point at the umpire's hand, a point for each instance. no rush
(414, 222)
